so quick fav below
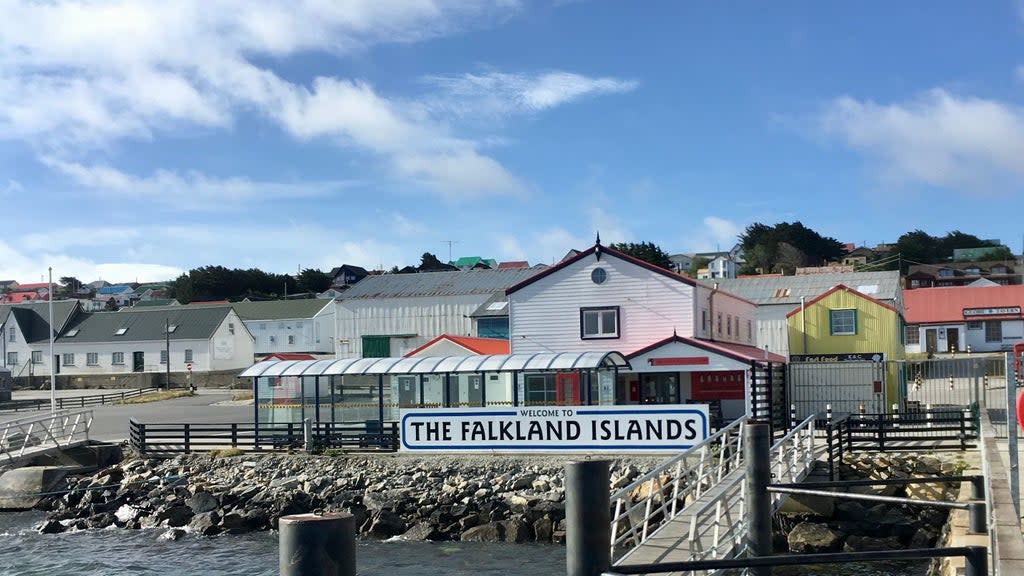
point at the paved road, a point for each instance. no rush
(110, 422)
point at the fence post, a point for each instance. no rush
(976, 561)
(234, 435)
(317, 544)
(756, 451)
(881, 432)
(831, 459)
(792, 416)
(307, 435)
(188, 438)
(394, 436)
(977, 523)
(588, 518)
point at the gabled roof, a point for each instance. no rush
(473, 344)
(33, 317)
(845, 289)
(351, 269)
(603, 250)
(31, 287)
(193, 323)
(775, 289)
(513, 265)
(933, 305)
(738, 352)
(269, 309)
(116, 289)
(433, 284)
(288, 356)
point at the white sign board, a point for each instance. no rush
(662, 428)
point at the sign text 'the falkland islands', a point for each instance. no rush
(555, 428)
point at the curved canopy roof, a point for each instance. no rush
(439, 364)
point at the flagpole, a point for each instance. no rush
(53, 361)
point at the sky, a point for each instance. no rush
(140, 139)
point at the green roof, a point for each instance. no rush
(193, 323)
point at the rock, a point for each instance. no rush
(517, 531)
(811, 537)
(387, 524)
(100, 521)
(857, 543)
(205, 524)
(201, 502)
(542, 529)
(422, 531)
(492, 532)
(522, 482)
(172, 534)
(175, 516)
(233, 523)
(51, 527)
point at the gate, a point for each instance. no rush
(847, 386)
(958, 382)
(768, 395)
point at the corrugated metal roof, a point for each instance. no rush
(424, 284)
(439, 364)
(268, 309)
(495, 306)
(947, 304)
(193, 323)
(761, 290)
(33, 317)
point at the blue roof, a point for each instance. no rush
(116, 289)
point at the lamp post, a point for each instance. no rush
(53, 360)
(167, 348)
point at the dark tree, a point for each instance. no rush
(998, 253)
(69, 286)
(785, 246)
(430, 262)
(646, 251)
(697, 263)
(311, 280)
(111, 305)
(220, 283)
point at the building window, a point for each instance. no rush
(163, 356)
(92, 359)
(994, 331)
(12, 334)
(750, 331)
(975, 325)
(728, 325)
(599, 322)
(291, 339)
(704, 321)
(67, 359)
(540, 389)
(492, 327)
(117, 358)
(231, 327)
(718, 323)
(842, 322)
(37, 356)
(188, 355)
(915, 283)
(12, 358)
(912, 334)
(736, 327)
(945, 272)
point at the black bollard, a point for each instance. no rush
(756, 454)
(317, 545)
(588, 518)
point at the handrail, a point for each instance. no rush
(58, 430)
(67, 402)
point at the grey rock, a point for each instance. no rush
(855, 543)
(542, 529)
(172, 534)
(422, 531)
(517, 531)
(205, 523)
(387, 524)
(811, 537)
(202, 502)
(51, 527)
(492, 532)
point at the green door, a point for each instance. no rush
(376, 346)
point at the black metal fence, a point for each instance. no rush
(75, 401)
(161, 438)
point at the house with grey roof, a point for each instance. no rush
(200, 338)
(392, 314)
(777, 295)
(25, 334)
(290, 326)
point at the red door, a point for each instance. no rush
(567, 388)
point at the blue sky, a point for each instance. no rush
(141, 139)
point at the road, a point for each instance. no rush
(110, 422)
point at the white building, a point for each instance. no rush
(391, 314)
(291, 326)
(25, 335)
(718, 267)
(957, 318)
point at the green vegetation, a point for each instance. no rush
(220, 283)
(226, 452)
(784, 247)
(646, 251)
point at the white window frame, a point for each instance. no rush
(188, 355)
(599, 317)
(834, 315)
(92, 359)
(37, 357)
(117, 358)
(163, 356)
(12, 358)
(67, 359)
(914, 330)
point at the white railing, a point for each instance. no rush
(717, 526)
(658, 496)
(37, 433)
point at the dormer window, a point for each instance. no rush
(171, 328)
(945, 272)
(120, 331)
(72, 333)
(972, 271)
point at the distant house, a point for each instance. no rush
(513, 265)
(291, 326)
(962, 273)
(451, 345)
(121, 294)
(859, 256)
(490, 319)
(474, 263)
(6, 285)
(949, 320)
(681, 263)
(718, 267)
(346, 275)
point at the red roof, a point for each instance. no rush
(947, 304)
(31, 287)
(475, 345)
(289, 356)
(740, 352)
(836, 288)
(19, 297)
(514, 265)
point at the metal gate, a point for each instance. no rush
(768, 395)
(958, 382)
(846, 386)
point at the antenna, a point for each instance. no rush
(449, 243)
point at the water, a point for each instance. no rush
(120, 552)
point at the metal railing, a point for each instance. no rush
(716, 526)
(69, 402)
(163, 438)
(26, 436)
(658, 496)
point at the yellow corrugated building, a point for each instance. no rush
(844, 322)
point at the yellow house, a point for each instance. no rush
(846, 325)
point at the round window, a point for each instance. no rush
(598, 275)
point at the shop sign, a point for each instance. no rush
(854, 357)
(555, 428)
(1005, 310)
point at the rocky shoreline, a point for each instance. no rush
(470, 498)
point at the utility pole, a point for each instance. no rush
(449, 243)
(167, 347)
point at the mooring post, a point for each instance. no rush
(976, 561)
(588, 518)
(307, 434)
(317, 544)
(976, 521)
(756, 449)
(978, 488)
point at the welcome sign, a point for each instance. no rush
(555, 428)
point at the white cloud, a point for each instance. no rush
(717, 234)
(192, 191)
(939, 139)
(501, 94)
(18, 265)
(405, 227)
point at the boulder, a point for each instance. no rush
(857, 543)
(517, 531)
(172, 534)
(51, 527)
(205, 523)
(811, 537)
(175, 516)
(492, 532)
(422, 531)
(387, 524)
(202, 502)
(542, 529)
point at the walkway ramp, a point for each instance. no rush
(692, 506)
(25, 438)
